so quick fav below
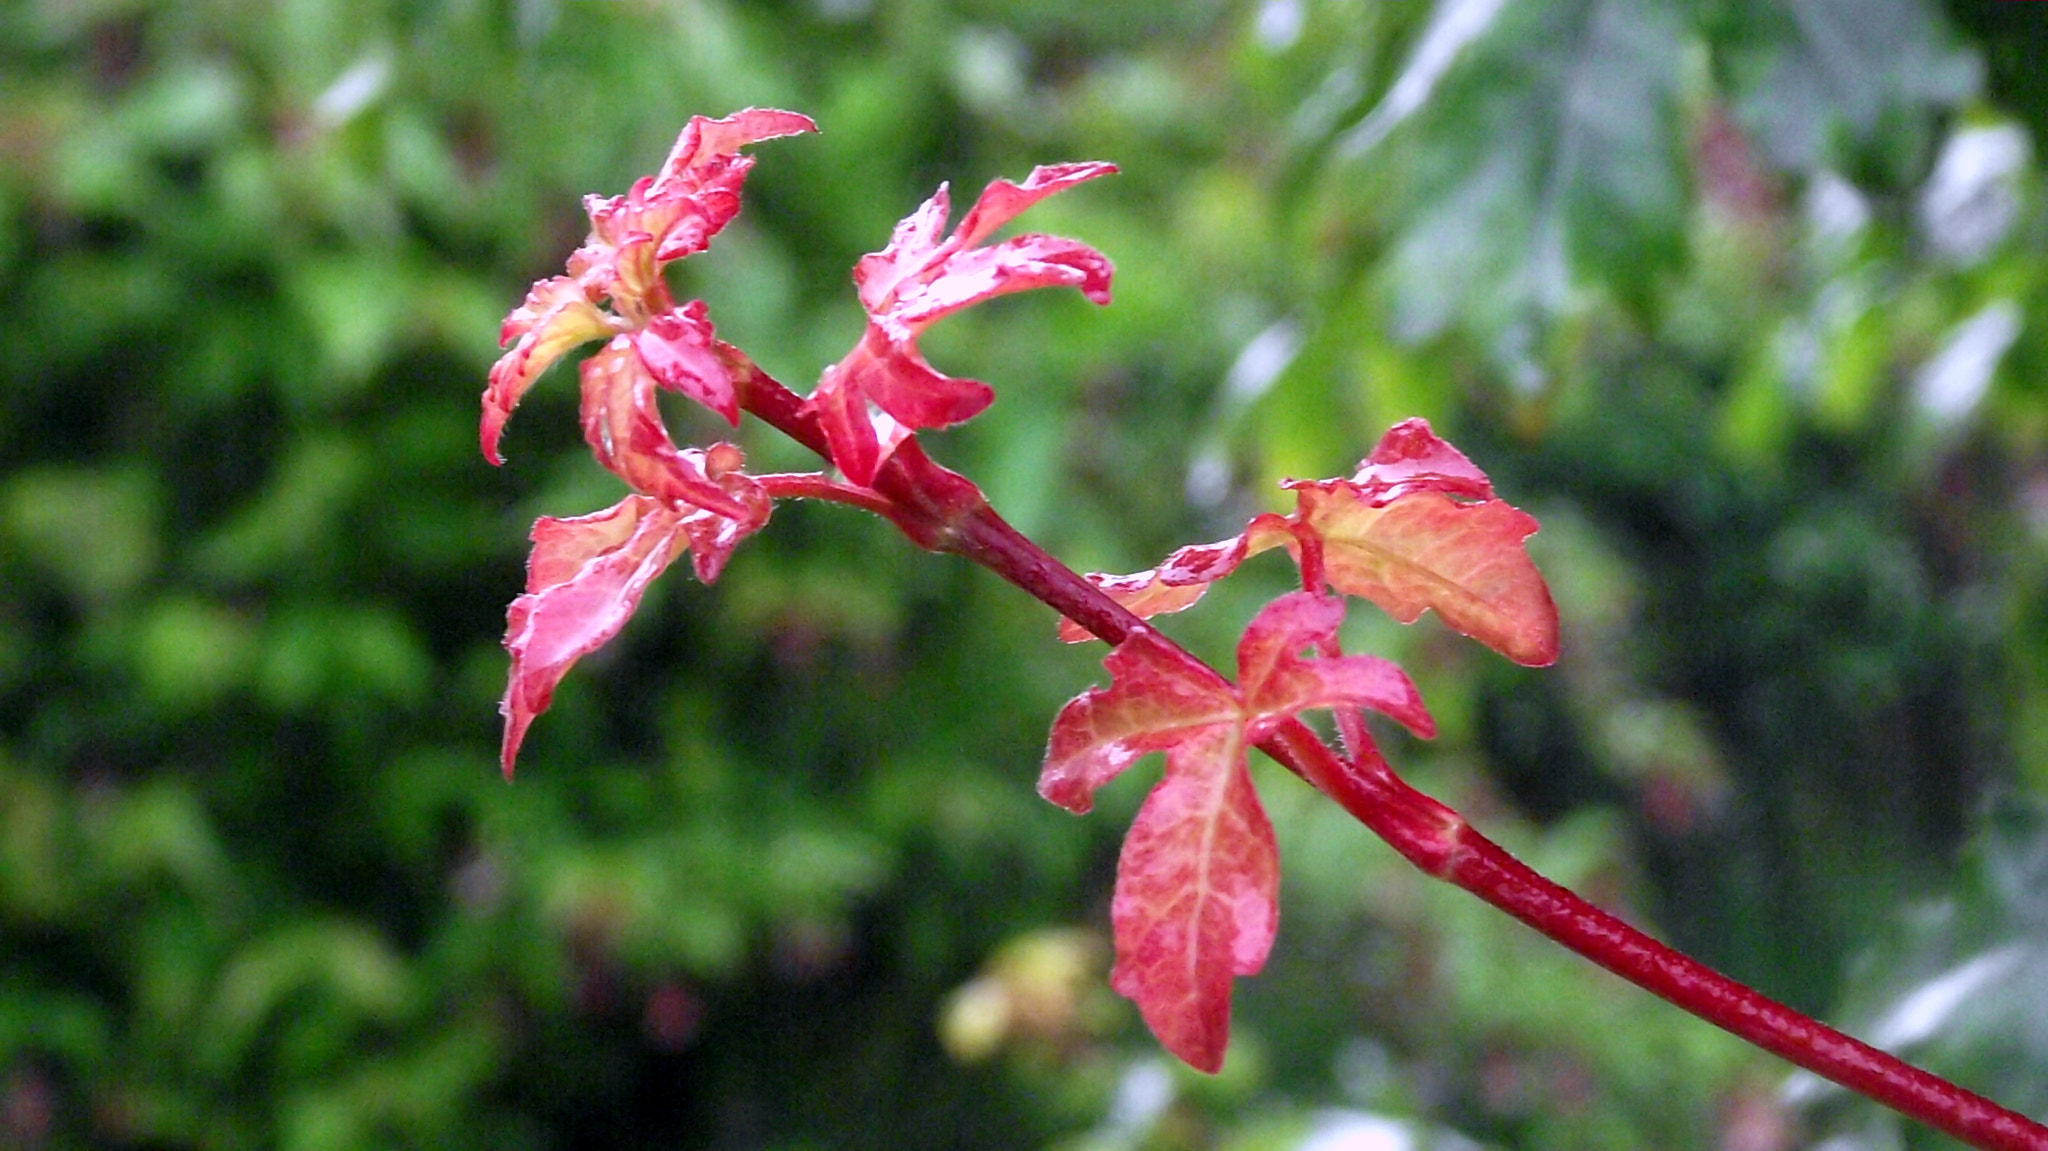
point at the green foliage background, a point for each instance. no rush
(1743, 300)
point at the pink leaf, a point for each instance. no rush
(1156, 695)
(677, 349)
(1002, 201)
(902, 385)
(622, 424)
(918, 278)
(842, 409)
(712, 540)
(704, 139)
(913, 244)
(555, 317)
(696, 192)
(1425, 550)
(659, 219)
(1196, 893)
(1197, 896)
(1410, 458)
(897, 378)
(1181, 578)
(583, 581)
(1277, 682)
(1018, 264)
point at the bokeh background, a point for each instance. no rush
(1744, 300)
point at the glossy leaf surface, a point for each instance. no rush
(1426, 550)
(1417, 527)
(660, 219)
(1197, 896)
(1182, 578)
(583, 581)
(1196, 892)
(586, 575)
(920, 277)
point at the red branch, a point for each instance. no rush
(942, 511)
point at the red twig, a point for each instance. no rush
(818, 486)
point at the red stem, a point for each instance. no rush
(1351, 731)
(1440, 842)
(818, 486)
(942, 511)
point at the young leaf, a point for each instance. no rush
(1181, 578)
(585, 577)
(676, 347)
(1426, 550)
(694, 195)
(1411, 458)
(1197, 896)
(661, 218)
(623, 427)
(557, 315)
(1417, 527)
(1155, 696)
(1276, 682)
(1195, 901)
(583, 581)
(918, 278)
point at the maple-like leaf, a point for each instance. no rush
(1196, 900)
(1411, 458)
(1155, 695)
(1418, 527)
(676, 211)
(660, 219)
(1276, 682)
(584, 580)
(623, 426)
(1182, 578)
(556, 316)
(918, 278)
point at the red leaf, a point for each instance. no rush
(897, 378)
(1410, 458)
(1423, 550)
(693, 197)
(1196, 892)
(1156, 695)
(972, 275)
(677, 349)
(1002, 201)
(914, 244)
(860, 439)
(583, 581)
(1276, 682)
(659, 219)
(704, 139)
(842, 409)
(918, 278)
(1181, 579)
(556, 316)
(1197, 896)
(622, 424)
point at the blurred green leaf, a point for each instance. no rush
(97, 531)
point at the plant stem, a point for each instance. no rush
(942, 511)
(1440, 842)
(816, 486)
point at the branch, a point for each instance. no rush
(942, 511)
